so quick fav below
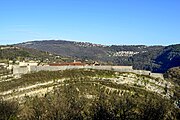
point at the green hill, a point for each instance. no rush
(13, 53)
(173, 75)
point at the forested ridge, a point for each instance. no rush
(153, 58)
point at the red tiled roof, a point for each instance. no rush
(67, 64)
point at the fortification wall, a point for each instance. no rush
(24, 70)
(142, 72)
(52, 68)
(123, 67)
(157, 75)
(17, 70)
(55, 68)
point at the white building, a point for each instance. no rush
(28, 63)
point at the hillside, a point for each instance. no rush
(153, 58)
(69, 49)
(168, 58)
(87, 94)
(44, 79)
(14, 53)
(173, 75)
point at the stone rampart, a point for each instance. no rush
(142, 72)
(17, 70)
(23, 70)
(55, 68)
(157, 75)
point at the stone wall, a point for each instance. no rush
(23, 70)
(55, 68)
(19, 70)
(157, 75)
(142, 72)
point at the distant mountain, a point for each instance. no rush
(68, 49)
(154, 58)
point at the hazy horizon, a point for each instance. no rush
(88, 42)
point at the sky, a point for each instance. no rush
(117, 22)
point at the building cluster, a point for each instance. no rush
(124, 53)
(86, 44)
(8, 47)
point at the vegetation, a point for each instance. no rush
(168, 58)
(173, 75)
(3, 71)
(81, 97)
(45, 76)
(68, 103)
(8, 109)
(14, 53)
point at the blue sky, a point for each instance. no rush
(122, 22)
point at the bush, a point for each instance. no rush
(8, 109)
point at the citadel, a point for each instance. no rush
(29, 67)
